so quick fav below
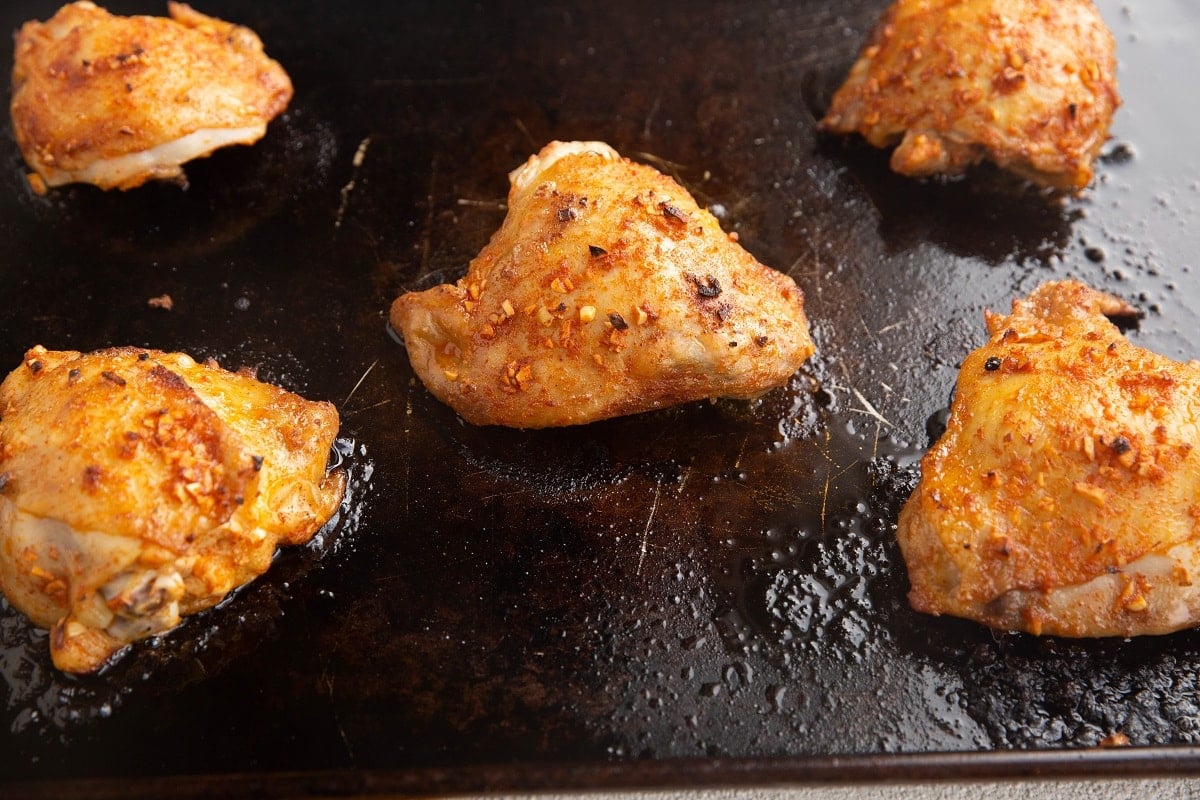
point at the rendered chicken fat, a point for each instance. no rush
(137, 487)
(117, 101)
(1027, 84)
(1064, 496)
(606, 291)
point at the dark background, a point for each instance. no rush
(718, 581)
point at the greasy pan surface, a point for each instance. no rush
(716, 582)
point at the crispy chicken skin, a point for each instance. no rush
(1028, 84)
(137, 487)
(117, 101)
(606, 291)
(1064, 496)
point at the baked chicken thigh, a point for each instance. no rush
(117, 101)
(606, 291)
(1064, 496)
(137, 487)
(1028, 84)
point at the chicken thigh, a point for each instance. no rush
(117, 101)
(138, 486)
(606, 291)
(1064, 496)
(1027, 84)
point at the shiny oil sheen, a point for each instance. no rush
(715, 586)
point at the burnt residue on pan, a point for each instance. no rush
(719, 579)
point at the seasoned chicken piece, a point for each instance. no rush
(1029, 84)
(606, 291)
(1064, 497)
(118, 101)
(137, 487)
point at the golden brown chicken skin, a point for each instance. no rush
(137, 487)
(117, 101)
(606, 291)
(1027, 84)
(1064, 496)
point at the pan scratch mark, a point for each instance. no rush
(360, 382)
(815, 271)
(407, 478)
(687, 473)
(888, 328)
(521, 127)
(867, 328)
(649, 522)
(466, 80)
(504, 494)
(360, 155)
(650, 117)
(499, 205)
(356, 411)
(658, 160)
(427, 230)
(869, 409)
(737, 464)
(328, 680)
(828, 481)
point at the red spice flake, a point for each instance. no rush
(163, 301)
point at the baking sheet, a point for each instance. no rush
(706, 595)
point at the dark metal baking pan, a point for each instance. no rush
(708, 595)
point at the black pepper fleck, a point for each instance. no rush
(35, 367)
(710, 287)
(672, 212)
(5, 477)
(567, 214)
(143, 356)
(761, 341)
(258, 462)
(597, 251)
(92, 475)
(1120, 445)
(73, 375)
(618, 321)
(112, 377)
(992, 364)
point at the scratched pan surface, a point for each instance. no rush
(715, 585)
